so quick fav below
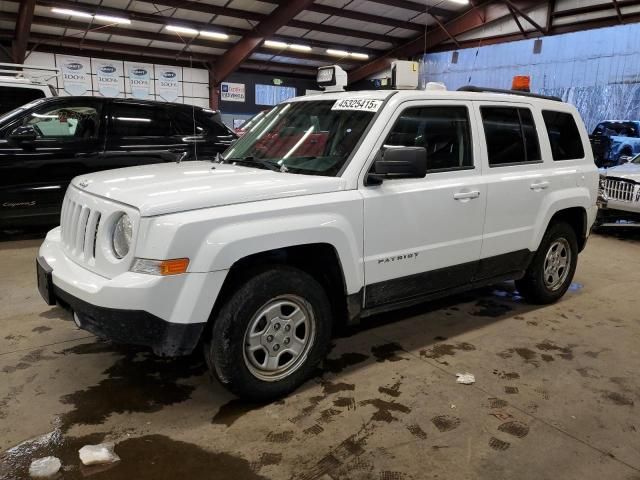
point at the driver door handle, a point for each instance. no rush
(539, 185)
(466, 195)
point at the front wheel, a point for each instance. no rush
(270, 334)
(551, 271)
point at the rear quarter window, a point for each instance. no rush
(564, 136)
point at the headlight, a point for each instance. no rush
(122, 234)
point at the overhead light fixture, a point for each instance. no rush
(460, 2)
(178, 29)
(362, 56)
(275, 44)
(73, 13)
(219, 35)
(300, 48)
(337, 53)
(111, 19)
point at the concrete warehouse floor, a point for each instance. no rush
(556, 394)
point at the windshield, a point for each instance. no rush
(303, 137)
(636, 160)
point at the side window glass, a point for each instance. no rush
(139, 121)
(511, 135)
(185, 123)
(68, 121)
(564, 137)
(444, 132)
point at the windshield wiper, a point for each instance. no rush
(269, 164)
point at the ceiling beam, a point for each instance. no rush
(21, 32)
(157, 19)
(594, 8)
(365, 17)
(466, 22)
(417, 7)
(524, 15)
(231, 60)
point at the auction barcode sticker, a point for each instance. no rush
(360, 104)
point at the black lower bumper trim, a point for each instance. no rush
(135, 327)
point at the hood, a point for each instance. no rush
(171, 187)
(629, 171)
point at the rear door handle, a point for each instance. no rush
(539, 185)
(466, 195)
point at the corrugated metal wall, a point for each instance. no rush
(596, 70)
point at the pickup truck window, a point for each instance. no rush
(443, 131)
(564, 136)
(71, 121)
(308, 137)
(511, 136)
(129, 120)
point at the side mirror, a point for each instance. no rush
(401, 162)
(622, 159)
(23, 134)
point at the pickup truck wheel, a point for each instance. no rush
(551, 271)
(271, 334)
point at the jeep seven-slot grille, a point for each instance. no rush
(79, 227)
(621, 190)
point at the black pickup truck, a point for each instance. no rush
(615, 142)
(46, 143)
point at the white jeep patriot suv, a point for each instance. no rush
(330, 209)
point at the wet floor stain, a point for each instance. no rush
(327, 415)
(152, 457)
(491, 308)
(233, 410)
(511, 390)
(345, 402)
(313, 430)
(279, 437)
(617, 398)
(499, 445)
(266, 460)
(417, 431)
(28, 360)
(523, 352)
(446, 423)
(497, 403)
(392, 391)
(330, 387)
(384, 409)
(391, 475)
(546, 357)
(446, 349)
(41, 329)
(138, 381)
(506, 375)
(346, 360)
(515, 428)
(563, 352)
(387, 352)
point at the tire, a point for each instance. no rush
(269, 305)
(540, 288)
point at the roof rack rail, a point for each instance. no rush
(30, 72)
(471, 88)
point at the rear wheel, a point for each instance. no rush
(271, 334)
(551, 271)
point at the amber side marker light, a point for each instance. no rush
(521, 83)
(174, 266)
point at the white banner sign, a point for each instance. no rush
(108, 77)
(232, 92)
(139, 80)
(76, 74)
(168, 85)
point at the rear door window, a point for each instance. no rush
(131, 120)
(564, 136)
(511, 136)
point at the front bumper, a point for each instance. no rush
(167, 314)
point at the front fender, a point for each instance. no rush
(214, 239)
